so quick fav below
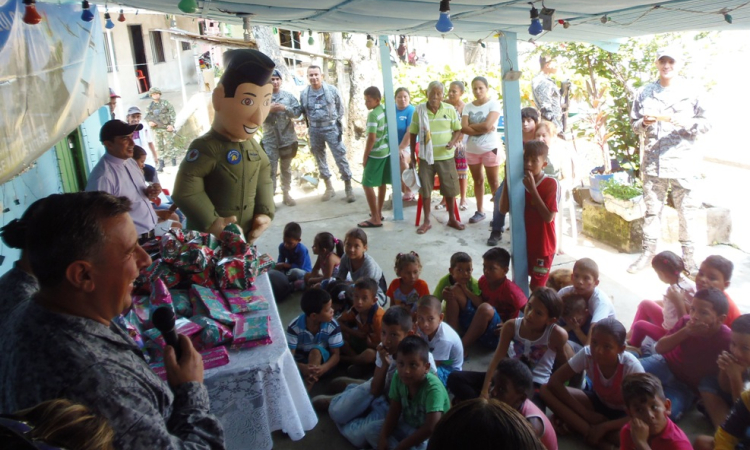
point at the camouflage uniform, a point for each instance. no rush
(548, 99)
(49, 355)
(671, 157)
(280, 139)
(162, 114)
(324, 111)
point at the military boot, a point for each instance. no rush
(349, 191)
(687, 259)
(329, 193)
(643, 261)
(161, 166)
(174, 162)
(288, 200)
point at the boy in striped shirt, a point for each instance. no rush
(376, 160)
(314, 337)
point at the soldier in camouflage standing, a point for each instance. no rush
(279, 138)
(324, 111)
(160, 117)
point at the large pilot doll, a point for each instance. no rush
(226, 176)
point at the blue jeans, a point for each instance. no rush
(498, 218)
(402, 431)
(355, 409)
(295, 274)
(679, 393)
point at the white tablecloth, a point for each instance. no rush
(260, 390)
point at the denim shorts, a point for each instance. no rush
(710, 384)
(303, 358)
(488, 339)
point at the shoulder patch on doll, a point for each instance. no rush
(192, 155)
(234, 157)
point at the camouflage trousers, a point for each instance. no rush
(286, 155)
(164, 141)
(331, 135)
(685, 202)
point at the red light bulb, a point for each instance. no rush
(31, 16)
(121, 18)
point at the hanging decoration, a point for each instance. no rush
(536, 25)
(121, 17)
(370, 41)
(310, 40)
(31, 15)
(108, 19)
(188, 6)
(86, 14)
(444, 24)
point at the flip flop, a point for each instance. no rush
(423, 230)
(463, 207)
(368, 224)
(439, 206)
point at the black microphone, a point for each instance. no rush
(163, 320)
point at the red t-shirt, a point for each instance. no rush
(540, 235)
(695, 358)
(734, 311)
(671, 438)
(507, 299)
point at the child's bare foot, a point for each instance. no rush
(456, 224)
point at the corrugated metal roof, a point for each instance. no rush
(474, 19)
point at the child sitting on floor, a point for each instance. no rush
(418, 401)
(597, 415)
(720, 393)
(445, 345)
(655, 318)
(294, 259)
(459, 274)
(514, 384)
(408, 288)
(734, 432)
(576, 320)
(361, 404)
(356, 263)
(535, 339)
(648, 409)
(329, 251)
(501, 300)
(314, 337)
(586, 282)
(716, 272)
(687, 353)
(361, 325)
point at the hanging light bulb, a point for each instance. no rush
(536, 25)
(187, 6)
(275, 30)
(121, 18)
(31, 16)
(109, 25)
(310, 40)
(444, 24)
(481, 42)
(370, 42)
(604, 19)
(86, 14)
(728, 17)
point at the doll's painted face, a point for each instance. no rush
(239, 117)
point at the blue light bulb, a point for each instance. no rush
(536, 27)
(87, 15)
(109, 25)
(444, 24)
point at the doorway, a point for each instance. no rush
(69, 153)
(139, 58)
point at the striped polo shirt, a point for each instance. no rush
(302, 341)
(442, 125)
(376, 124)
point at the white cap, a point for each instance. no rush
(134, 110)
(669, 52)
(410, 179)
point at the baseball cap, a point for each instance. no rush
(112, 94)
(115, 128)
(134, 110)
(670, 52)
(276, 73)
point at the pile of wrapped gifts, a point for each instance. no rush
(208, 283)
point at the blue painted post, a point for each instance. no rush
(514, 157)
(390, 115)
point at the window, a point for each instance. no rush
(158, 47)
(185, 46)
(110, 55)
(289, 39)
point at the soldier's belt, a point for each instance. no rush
(321, 124)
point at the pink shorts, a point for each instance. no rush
(487, 159)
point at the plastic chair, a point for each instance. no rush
(420, 204)
(142, 83)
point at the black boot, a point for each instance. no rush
(161, 166)
(643, 261)
(174, 162)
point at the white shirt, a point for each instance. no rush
(600, 306)
(584, 361)
(687, 288)
(478, 114)
(142, 138)
(123, 178)
(446, 346)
